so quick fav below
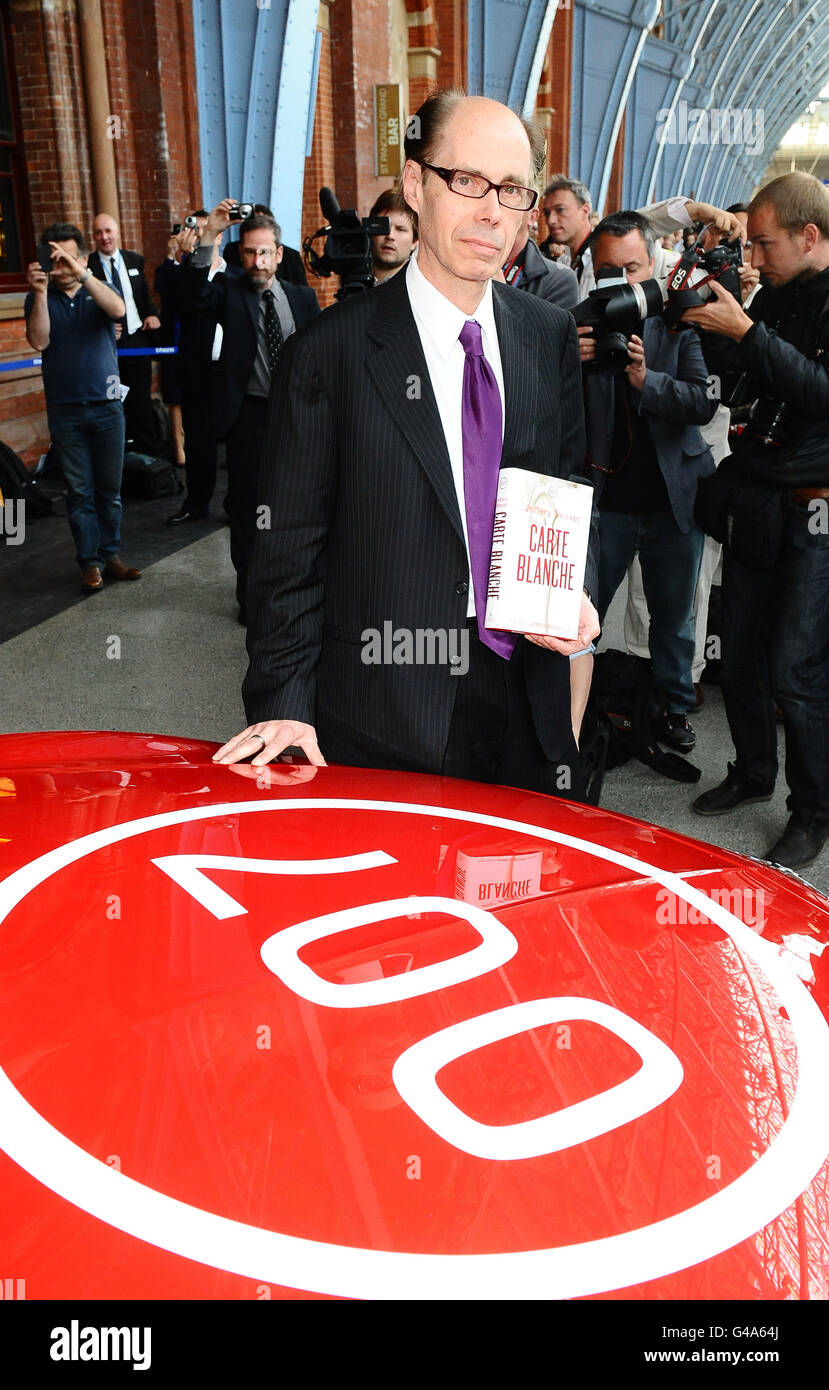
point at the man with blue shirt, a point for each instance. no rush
(70, 318)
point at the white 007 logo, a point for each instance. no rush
(711, 1226)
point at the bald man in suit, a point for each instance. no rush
(375, 481)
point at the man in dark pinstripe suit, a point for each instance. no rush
(363, 470)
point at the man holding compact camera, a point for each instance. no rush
(257, 314)
(769, 506)
(70, 319)
(645, 399)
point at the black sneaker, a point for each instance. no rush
(801, 841)
(673, 728)
(736, 790)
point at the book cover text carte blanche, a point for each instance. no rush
(539, 552)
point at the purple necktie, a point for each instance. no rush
(481, 426)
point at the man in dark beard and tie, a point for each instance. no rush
(257, 313)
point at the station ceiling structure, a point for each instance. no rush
(705, 88)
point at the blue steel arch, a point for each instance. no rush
(608, 41)
(255, 69)
(711, 46)
(506, 46)
(807, 73)
(773, 53)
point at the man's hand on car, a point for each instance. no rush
(265, 741)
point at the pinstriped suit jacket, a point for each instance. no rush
(365, 523)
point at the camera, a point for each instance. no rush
(190, 222)
(238, 212)
(347, 250)
(690, 277)
(614, 310)
(764, 418)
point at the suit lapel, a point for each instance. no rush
(398, 370)
(250, 299)
(520, 381)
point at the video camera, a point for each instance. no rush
(615, 310)
(347, 250)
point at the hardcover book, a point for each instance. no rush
(539, 552)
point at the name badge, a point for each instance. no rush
(134, 270)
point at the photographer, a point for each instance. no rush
(647, 455)
(256, 314)
(566, 207)
(392, 249)
(70, 319)
(769, 507)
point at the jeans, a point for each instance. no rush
(670, 562)
(88, 439)
(775, 640)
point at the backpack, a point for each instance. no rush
(17, 484)
(160, 443)
(618, 723)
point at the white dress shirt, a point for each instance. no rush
(439, 324)
(218, 337)
(134, 319)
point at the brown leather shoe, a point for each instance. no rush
(116, 569)
(92, 580)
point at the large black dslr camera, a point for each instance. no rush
(693, 272)
(615, 310)
(347, 250)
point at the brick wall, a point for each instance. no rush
(22, 407)
(152, 93)
(320, 166)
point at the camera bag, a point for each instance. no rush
(18, 484)
(146, 477)
(618, 723)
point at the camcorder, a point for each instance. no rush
(688, 285)
(615, 310)
(347, 248)
(239, 212)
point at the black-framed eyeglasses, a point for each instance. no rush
(510, 195)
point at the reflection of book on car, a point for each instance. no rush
(490, 879)
(539, 552)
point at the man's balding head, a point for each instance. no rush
(464, 240)
(106, 234)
